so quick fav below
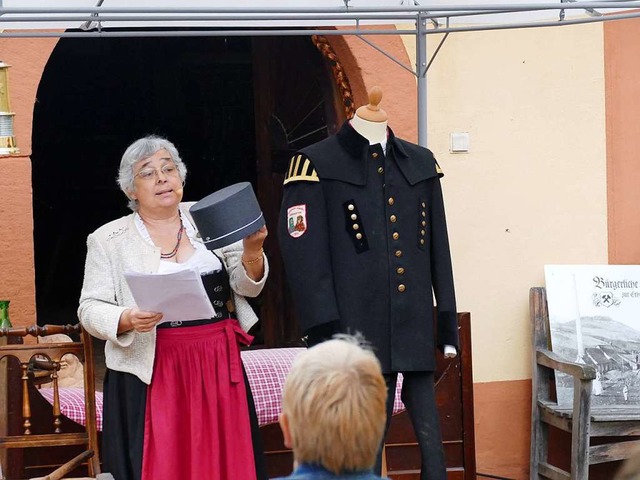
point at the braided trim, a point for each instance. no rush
(339, 75)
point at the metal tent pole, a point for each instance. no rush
(421, 74)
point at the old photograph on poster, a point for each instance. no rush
(594, 316)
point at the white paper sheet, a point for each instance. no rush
(180, 296)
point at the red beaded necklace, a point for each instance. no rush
(173, 252)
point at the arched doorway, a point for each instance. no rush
(226, 103)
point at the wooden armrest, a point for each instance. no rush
(549, 359)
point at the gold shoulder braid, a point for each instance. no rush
(301, 169)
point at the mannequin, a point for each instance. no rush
(363, 237)
(370, 121)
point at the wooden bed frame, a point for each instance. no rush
(454, 396)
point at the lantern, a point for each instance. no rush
(7, 139)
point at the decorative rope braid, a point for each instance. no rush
(340, 76)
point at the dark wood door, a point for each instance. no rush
(294, 107)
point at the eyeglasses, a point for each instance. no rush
(150, 173)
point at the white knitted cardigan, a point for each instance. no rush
(118, 247)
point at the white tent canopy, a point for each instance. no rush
(460, 15)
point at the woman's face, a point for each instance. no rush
(157, 182)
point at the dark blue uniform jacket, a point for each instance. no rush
(364, 241)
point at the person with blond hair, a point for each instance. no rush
(333, 411)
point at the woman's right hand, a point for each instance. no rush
(138, 320)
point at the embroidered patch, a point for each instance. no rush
(297, 220)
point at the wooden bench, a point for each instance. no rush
(584, 421)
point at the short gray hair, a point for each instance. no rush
(139, 150)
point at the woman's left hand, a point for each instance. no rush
(252, 255)
(252, 244)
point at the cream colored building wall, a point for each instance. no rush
(532, 189)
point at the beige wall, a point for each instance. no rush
(532, 189)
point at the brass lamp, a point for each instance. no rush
(7, 139)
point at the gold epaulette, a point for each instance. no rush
(439, 170)
(301, 169)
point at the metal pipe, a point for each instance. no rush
(339, 10)
(421, 72)
(198, 33)
(481, 28)
(580, 5)
(389, 56)
(435, 54)
(276, 32)
(201, 18)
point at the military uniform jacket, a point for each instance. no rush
(364, 241)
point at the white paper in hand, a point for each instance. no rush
(179, 296)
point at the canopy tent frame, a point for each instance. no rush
(232, 21)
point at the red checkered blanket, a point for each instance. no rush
(266, 370)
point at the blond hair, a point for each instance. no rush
(334, 400)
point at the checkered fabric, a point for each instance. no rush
(72, 403)
(266, 371)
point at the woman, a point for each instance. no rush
(175, 403)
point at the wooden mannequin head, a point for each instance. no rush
(370, 120)
(372, 111)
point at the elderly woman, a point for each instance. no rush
(175, 402)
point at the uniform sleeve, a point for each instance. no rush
(99, 312)
(304, 242)
(442, 272)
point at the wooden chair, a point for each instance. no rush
(582, 420)
(40, 363)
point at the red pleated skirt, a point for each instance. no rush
(197, 422)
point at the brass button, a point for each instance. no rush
(374, 155)
(424, 214)
(401, 288)
(391, 201)
(398, 253)
(380, 170)
(424, 205)
(422, 232)
(356, 226)
(424, 224)
(395, 235)
(359, 236)
(393, 218)
(354, 216)
(351, 208)
(422, 241)
(400, 271)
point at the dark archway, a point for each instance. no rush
(206, 94)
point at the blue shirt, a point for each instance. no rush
(316, 472)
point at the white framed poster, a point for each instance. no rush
(594, 317)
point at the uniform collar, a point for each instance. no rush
(356, 145)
